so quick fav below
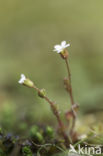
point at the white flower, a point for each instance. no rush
(22, 79)
(61, 47)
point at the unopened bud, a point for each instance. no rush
(42, 93)
(25, 81)
(28, 83)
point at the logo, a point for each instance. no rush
(89, 151)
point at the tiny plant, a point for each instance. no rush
(68, 137)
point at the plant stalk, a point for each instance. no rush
(71, 97)
(56, 113)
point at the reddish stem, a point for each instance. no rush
(71, 97)
(56, 113)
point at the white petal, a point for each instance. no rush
(60, 48)
(23, 76)
(22, 79)
(67, 45)
(59, 51)
(57, 47)
(63, 43)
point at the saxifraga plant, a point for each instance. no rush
(62, 50)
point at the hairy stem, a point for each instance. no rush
(56, 113)
(71, 97)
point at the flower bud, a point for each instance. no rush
(25, 81)
(28, 83)
(42, 93)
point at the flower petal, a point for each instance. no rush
(57, 47)
(23, 76)
(67, 45)
(63, 43)
(59, 51)
(22, 79)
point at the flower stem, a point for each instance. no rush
(71, 97)
(56, 113)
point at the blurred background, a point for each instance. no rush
(28, 32)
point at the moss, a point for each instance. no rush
(26, 151)
(34, 130)
(49, 131)
(2, 152)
